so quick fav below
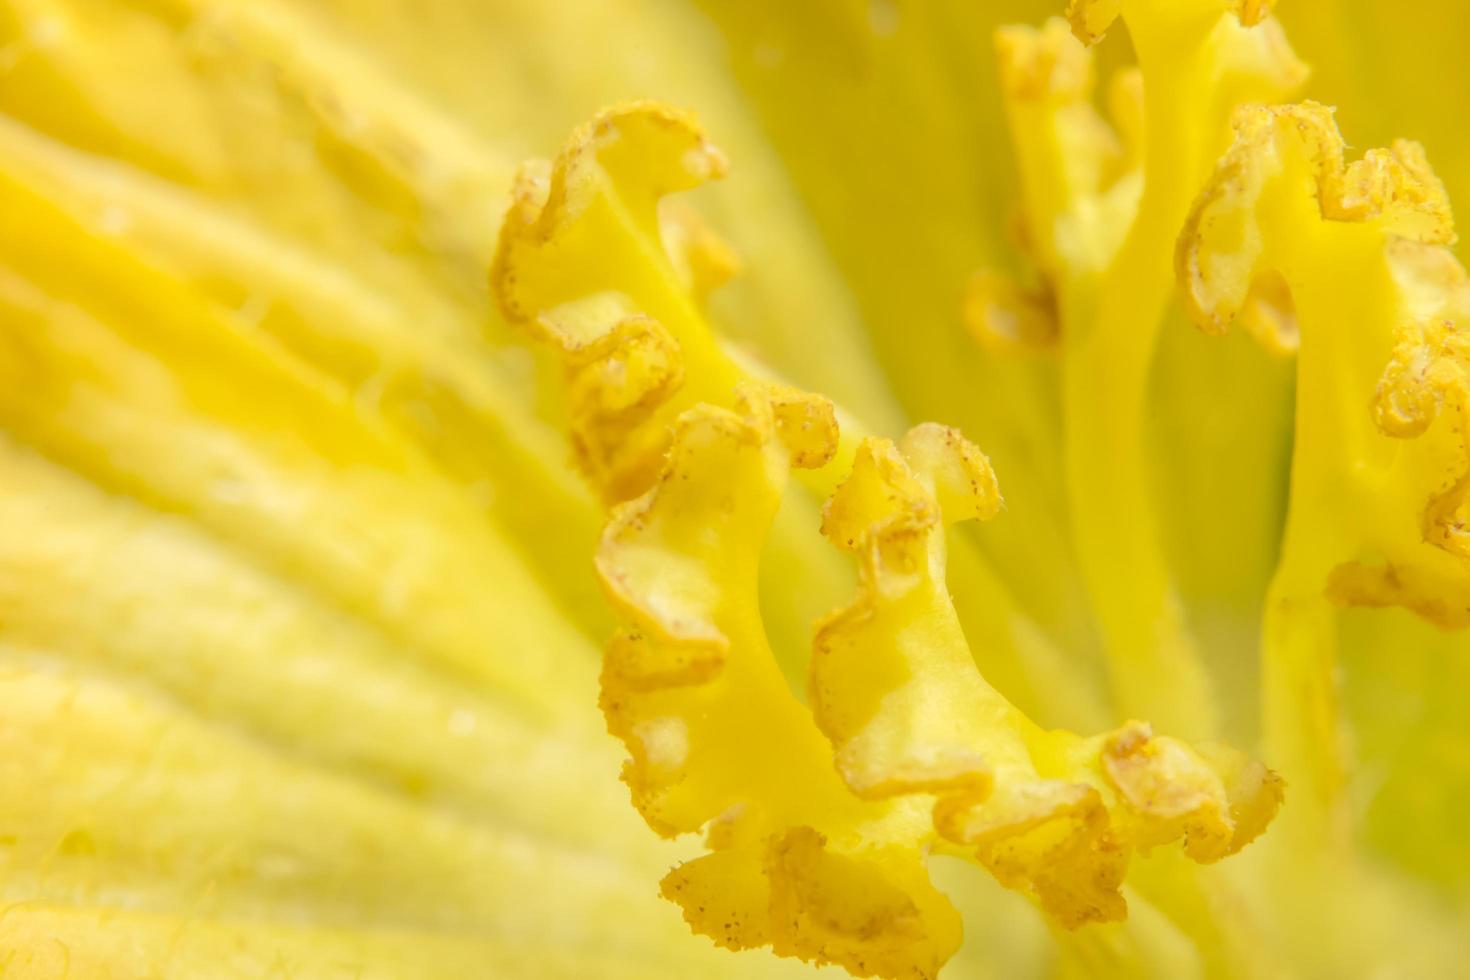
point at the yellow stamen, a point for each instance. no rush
(816, 844)
(1101, 214)
(1378, 486)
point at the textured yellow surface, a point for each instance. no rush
(337, 439)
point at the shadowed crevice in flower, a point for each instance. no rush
(1102, 204)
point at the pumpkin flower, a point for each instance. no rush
(713, 489)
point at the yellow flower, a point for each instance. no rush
(358, 477)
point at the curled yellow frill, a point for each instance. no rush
(718, 743)
(895, 687)
(1082, 168)
(817, 849)
(1381, 478)
(1104, 190)
(588, 263)
(817, 819)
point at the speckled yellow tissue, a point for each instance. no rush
(670, 489)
